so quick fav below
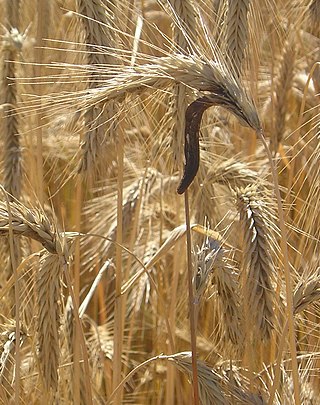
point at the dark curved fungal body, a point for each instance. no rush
(194, 115)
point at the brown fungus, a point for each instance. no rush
(193, 119)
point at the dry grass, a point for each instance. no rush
(113, 293)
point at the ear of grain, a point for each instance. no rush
(35, 225)
(210, 391)
(48, 289)
(232, 172)
(69, 330)
(204, 259)
(257, 263)
(237, 32)
(31, 223)
(283, 87)
(230, 330)
(96, 19)
(193, 71)
(12, 42)
(218, 386)
(12, 149)
(211, 265)
(131, 196)
(100, 343)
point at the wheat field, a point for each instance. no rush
(160, 202)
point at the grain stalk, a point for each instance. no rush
(193, 323)
(285, 258)
(118, 314)
(171, 374)
(185, 12)
(76, 286)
